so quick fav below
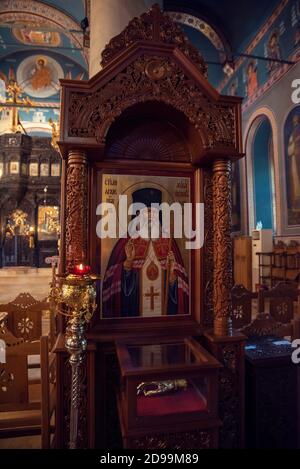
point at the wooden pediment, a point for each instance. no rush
(151, 61)
(153, 26)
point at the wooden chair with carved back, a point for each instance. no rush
(242, 306)
(278, 265)
(24, 320)
(285, 263)
(293, 262)
(281, 302)
(48, 389)
(20, 414)
(24, 317)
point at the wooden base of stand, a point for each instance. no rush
(229, 351)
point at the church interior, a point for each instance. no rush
(142, 335)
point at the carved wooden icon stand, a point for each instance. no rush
(151, 110)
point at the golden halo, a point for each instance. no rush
(43, 58)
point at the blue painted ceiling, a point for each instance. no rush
(75, 9)
(235, 21)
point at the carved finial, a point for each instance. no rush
(154, 26)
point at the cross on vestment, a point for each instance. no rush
(152, 295)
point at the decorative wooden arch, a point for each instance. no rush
(152, 61)
(152, 69)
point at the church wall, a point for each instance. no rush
(262, 175)
(267, 90)
(208, 51)
(279, 38)
(270, 105)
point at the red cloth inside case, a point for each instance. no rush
(190, 400)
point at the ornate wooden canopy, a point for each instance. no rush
(151, 60)
(151, 67)
(151, 108)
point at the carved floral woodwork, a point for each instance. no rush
(230, 353)
(263, 325)
(153, 25)
(230, 397)
(91, 114)
(208, 311)
(76, 208)
(241, 306)
(152, 62)
(193, 439)
(6, 380)
(24, 317)
(222, 246)
(282, 298)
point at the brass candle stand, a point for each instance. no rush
(78, 294)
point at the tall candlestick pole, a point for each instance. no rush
(78, 293)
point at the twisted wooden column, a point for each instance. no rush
(76, 208)
(222, 207)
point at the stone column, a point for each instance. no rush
(76, 209)
(108, 18)
(222, 208)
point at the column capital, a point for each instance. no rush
(221, 165)
(77, 157)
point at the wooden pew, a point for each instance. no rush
(242, 306)
(19, 416)
(282, 301)
(48, 381)
(24, 317)
(24, 320)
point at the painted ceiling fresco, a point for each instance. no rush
(42, 41)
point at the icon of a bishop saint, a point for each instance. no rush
(145, 276)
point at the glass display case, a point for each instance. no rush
(165, 383)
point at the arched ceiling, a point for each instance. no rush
(212, 25)
(236, 20)
(54, 26)
(73, 8)
(40, 43)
